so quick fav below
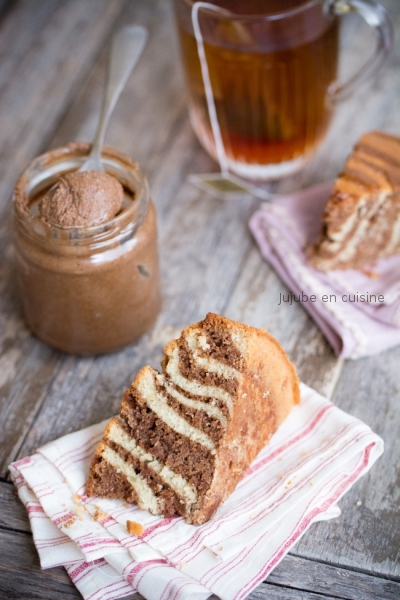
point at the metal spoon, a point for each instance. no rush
(126, 48)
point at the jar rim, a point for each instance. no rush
(45, 169)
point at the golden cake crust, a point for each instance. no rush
(267, 394)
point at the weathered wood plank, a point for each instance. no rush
(206, 245)
(51, 60)
(36, 363)
(17, 582)
(195, 232)
(12, 514)
(152, 103)
(307, 575)
(165, 201)
(22, 579)
(271, 592)
(62, 60)
(292, 578)
(4, 5)
(367, 535)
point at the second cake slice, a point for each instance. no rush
(361, 221)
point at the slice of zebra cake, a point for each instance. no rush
(185, 437)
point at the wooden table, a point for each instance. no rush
(51, 77)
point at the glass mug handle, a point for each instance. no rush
(376, 17)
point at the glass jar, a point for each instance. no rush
(87, 290)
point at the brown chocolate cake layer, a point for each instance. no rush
(207, 400)
(208, 423)
(190, 369)
(361, 221)
(186, 436)
(188, 458)
(106, 482)
(165, 495)
(221, 345)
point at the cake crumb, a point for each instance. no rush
(99, 515)
(69, 523)
(204, 345)
(80, 510)
(135, 528)
(77, 499)
(370, 274)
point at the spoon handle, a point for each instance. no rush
(126, 48)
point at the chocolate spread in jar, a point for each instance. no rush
(87, 288)
(79, 199)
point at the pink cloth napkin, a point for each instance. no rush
(297, 479)
(282, 229)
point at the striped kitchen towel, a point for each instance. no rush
(296, 480)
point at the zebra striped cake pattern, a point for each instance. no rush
(185, 436)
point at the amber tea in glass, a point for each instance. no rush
(272, 66)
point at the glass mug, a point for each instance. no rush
(262, 95)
